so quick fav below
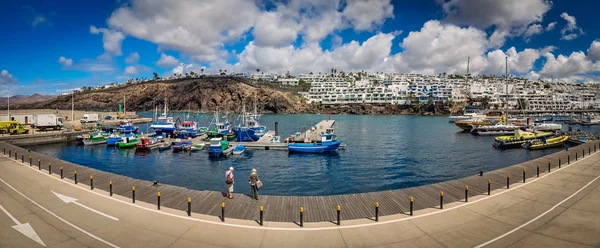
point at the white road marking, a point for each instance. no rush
(539, 216)
(485, 197)
(68, 199)
(58, 217)
(24, 229)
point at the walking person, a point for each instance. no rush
(229, 180)
(255, 183)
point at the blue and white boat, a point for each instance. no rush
(127, 127)
(251, 130)
(239, 149)
(216, 148)
(187, 129)
(328, 143)
(180, 145)
(113, 139)
(164, 125)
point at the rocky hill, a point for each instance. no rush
(22, 99)
(210, 94)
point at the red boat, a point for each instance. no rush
(146, 144)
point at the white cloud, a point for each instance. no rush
(551, 26)
(7, 78)
(510, 17)
(95, 66)
(132, 58)
(112, 40)
(187, 68)
(198, 28)
(368, 15)
(564, 67)
(571, 31)
(130, 70)
(532, 30)
(167, 61)
(594, 50)
(532, 75)
(65, 62)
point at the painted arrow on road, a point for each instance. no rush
(24, 228)
(68, 199)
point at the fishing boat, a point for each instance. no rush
(125, 126)
(467, 125)
(250, 130)
(328, 143)
(187, 129)
(147, 144)
(518, 139)
(113, 138)
(495, 130)
(180, 145)
(164, 146)
(128, 142)
(219, 147)
(239, 149)
(196, 147)
(222, 129)
(94, 139)
(164, 124)
(544, 143)
(591, 122)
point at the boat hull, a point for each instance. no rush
(243, 134)
(93, 142)
(112, 141)
(215, 151)
(314, 147)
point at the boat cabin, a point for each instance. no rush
(145, 141)
(215, 142)
(187, 124)
(328, 137)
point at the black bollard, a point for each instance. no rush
(559, 163)
(133, 194)
(189, 207)
(29, 160)
(75, 174)
(261, 215)
(338, 214)
(4, 150)
(489, 187)
(39, 164)
(582, 153)
(548, 166)
(376, 211)
(589, 150)
(441, 199)
(538, 170)
(412, 199)
(91, 183)
(507, 181)
(576, 156)
(223, 211)
(49, 168)
(61, 173)
(523, 175)
(22, 158)
(480, 173)
(301, 217)
(466, 193)
(158, 201)
(567, 148)
(110, 187)
(569, 159)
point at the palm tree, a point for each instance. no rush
(202, 70)
(257, 70)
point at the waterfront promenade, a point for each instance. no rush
(557, 209)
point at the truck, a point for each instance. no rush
(89, 118)
(47, 121)
(12, 127)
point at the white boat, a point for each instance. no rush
(545, 127)
(467, 116)
(495, 130)
(239, 149)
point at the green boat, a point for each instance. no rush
(128, 143)
(94, 140)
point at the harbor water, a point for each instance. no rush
(382, 153)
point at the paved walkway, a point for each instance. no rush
(560, 209)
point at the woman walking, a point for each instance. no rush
(229, 180)
(254, 184)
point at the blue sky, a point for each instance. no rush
(38, 33)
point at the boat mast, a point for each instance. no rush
(506, 95)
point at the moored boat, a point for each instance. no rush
(518, 139)
(217, 147)
(94, 140)
(467, 125)
(545, 127)
(239, 149)
(128, 142)
(250, 129)
(544, 143)
(147, 144)
(196, 147)
(495, 130)
(164, 146)
(180, 145)
(328, 143)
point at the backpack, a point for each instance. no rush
(229, 180)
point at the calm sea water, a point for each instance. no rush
(382, 153)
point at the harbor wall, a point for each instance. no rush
(41, 138)
(61, 113)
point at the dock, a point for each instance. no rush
(314, 134)
(317, 208)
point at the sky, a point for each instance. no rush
(52, 47)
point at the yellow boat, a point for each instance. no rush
(467, 125)
(517, 140)
(545, 143)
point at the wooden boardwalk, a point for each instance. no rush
(316, 208)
